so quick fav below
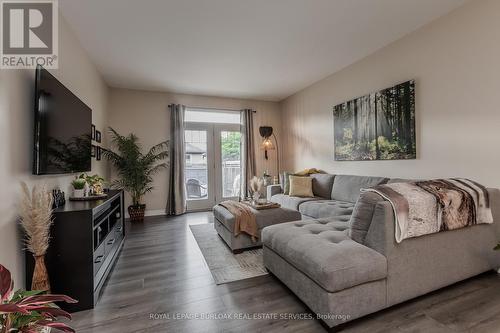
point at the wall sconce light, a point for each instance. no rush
(266, 132)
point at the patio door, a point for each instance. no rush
(213, 169)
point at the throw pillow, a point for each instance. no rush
(301, 186)
(286, 182)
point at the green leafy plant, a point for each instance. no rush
(135, 169)
(92, 180)
(29, 311)
(79, 183)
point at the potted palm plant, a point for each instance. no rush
(135, 169)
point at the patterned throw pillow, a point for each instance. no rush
(301, 186)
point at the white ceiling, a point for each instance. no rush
(259, 49)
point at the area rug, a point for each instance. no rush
(223, 264)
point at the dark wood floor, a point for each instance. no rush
(162, 271)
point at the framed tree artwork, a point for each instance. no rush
(378, 126)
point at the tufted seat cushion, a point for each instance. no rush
(322, 250)
(342, 210)
(290, 202)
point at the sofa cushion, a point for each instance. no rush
(327, 208)
(325, 254)
(289, 202)
(322, 184)
(362, 215)
(301, 187)
(347, 188)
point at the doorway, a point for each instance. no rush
(213, 159)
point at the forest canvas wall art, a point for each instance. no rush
(378, 126)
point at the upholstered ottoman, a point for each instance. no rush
(224, 224)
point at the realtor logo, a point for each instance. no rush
(29, 34)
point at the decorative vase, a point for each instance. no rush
(136, 212)
(78, 193)
(256, 196)
(40, 280)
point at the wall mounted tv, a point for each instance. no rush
(63, 128)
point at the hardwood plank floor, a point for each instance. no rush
(162, 271)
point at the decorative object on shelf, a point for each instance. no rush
(135, 169)
(266, 132)
(93, 132)
(36, 219)
(93, 151)
(78, 187)
(378, 126)
(29, 311)
(256, 185)
(95, 182)
(58, 198)
(93, 188)
(98, 136)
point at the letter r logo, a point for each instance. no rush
(27, 27)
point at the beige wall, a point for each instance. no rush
(146, 114)
(16, 135)
(456, 64)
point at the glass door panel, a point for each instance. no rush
(230, 142)
(213, 164)
(197, 171)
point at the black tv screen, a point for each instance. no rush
(63, 128)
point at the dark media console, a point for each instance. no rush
(86, 239)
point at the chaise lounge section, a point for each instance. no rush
(344, 270)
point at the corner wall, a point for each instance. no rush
(146, 114)
(456, 64)
(77, 72)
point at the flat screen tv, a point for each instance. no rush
(63, 128)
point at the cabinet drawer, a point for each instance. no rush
(98, 258)
(110, 241)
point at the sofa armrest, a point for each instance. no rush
(273, 190)
(381, 234)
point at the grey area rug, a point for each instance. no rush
(223, 264)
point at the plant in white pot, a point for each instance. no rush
(135, 169)
(78, 187)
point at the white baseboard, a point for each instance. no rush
(152, 212)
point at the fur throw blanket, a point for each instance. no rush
(426, 207)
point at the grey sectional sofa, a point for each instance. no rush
(343, 262)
